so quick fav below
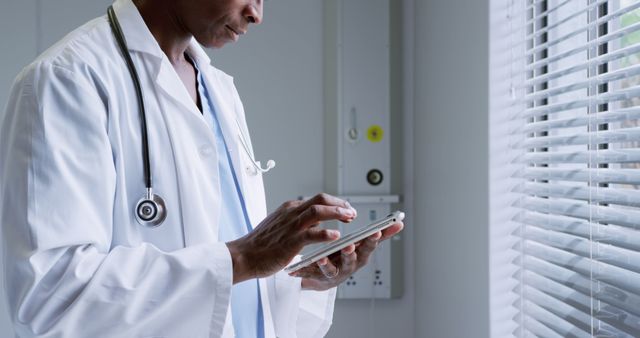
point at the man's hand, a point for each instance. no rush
(283, 234)
(335, 269)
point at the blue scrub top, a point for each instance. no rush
(246, 307)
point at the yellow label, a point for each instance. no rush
(375, 133)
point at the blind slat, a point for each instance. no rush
(549, 10)
(584, 84)
(591, 120)
(621, 176)
(616, 257)
(579, 303)
(590, 63)
(624, 279)
(610, 294)
(591, 157)
(566, 313)
(623, 217)
(585, 29)
(586, 138)
(578, 300)
(549, 319)
(629, 197)
(536, 329)
(608, 234)
(593, 101)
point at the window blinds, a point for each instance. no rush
(565, 182)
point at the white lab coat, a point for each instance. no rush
(77, 264)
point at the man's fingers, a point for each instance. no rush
(392, 230)
(318, 213)
(328, 269)
(349, 249)
(318, 234)
(310, 271)
(369, 244)
(376, 236)
(366, 247)
(290, 204)
(349, 258)
(326, 199)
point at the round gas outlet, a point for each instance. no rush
(374, 177)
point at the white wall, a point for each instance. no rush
(451, 168)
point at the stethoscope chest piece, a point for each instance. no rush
(151, 210)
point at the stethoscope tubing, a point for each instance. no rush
(151, 210)
(122, 43)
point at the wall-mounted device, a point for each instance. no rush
(357, 129)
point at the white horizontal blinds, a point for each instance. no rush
(577, 183)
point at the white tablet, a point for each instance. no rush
(345, 241)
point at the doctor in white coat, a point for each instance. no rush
(77, 262)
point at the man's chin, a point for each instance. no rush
(212, 43)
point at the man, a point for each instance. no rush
(77, 261)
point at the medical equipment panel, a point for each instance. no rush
(357, 129)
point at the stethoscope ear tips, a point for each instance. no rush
(257, 169)
(151, 211)
(270, 165)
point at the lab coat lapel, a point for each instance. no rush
(181, 107)
(140, 40)
(136, 32)
(169, 82)
(181, 114)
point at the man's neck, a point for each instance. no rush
(172, 37)
(166, 28)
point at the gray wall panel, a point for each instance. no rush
(59, 17)
(451, 168)
(18, 34)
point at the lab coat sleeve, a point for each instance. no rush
(57, 187)
(300, 313)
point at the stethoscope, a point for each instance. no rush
(151, 210)
(256, 167)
